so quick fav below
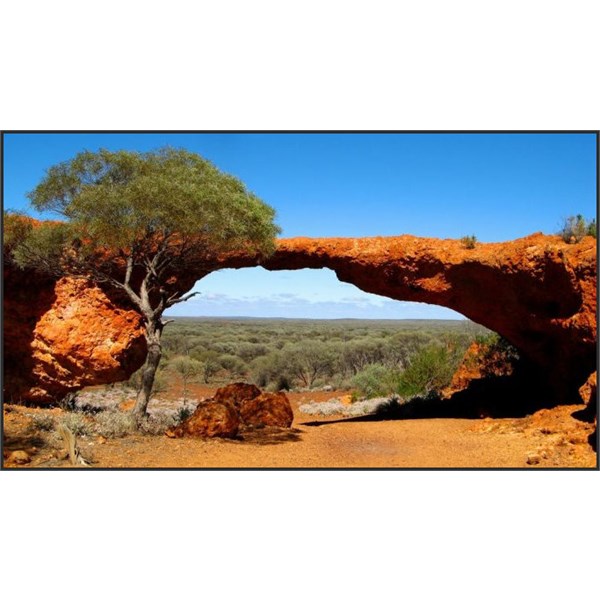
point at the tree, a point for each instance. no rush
(187, 368)
(308, 360)
(132, 220)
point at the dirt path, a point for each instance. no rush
(549, 438)
(418, 443)
(415, 443)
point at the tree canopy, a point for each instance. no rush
(156, 211)
(133, 220)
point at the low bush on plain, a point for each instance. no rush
(375, 380)
(575, 228)
(431, 369)
(43, 421)
(77, 423)
(469, 241)
(113, 424)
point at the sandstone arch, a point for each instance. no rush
(537, 291)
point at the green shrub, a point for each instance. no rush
(592, 229)
(468, 241)
(430, 370)
(575, 228)
(373, 381)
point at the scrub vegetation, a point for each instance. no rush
(369, 358)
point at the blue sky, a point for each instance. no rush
(495, 186)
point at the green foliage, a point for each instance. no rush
(431, 369)
(575, 228)
(154, 194)
(592, 229)
(267, 351)
(374, 380)
(41, 246)
(210, 363)
(156, 212)
(235, 366)
(469, 241)
(187, 368)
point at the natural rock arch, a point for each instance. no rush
(538, 292)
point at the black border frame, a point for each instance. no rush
(294, 131)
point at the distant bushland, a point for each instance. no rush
(372, 357)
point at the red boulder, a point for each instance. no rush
(210, 419)
(268, 409)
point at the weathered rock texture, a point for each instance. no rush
(538, 292)
(60, 336)
(236, 406)
(210, 419)
(237, 394)
(272, 410)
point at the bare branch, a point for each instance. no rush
(171, 301)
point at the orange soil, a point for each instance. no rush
(550, 438)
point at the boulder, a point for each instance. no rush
(268, 409)
(236, 394)
(210, 419)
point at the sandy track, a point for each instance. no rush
(547, 439)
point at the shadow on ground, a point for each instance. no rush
(496, 397)
(268, 436)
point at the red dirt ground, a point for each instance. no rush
(550, 438)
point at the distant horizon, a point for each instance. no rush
(223, 317)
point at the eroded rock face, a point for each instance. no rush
(538, 292)
(63, 335)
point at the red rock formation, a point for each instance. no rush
(538, 292)
(589, 389)
(63, 335)
(210, 419)
(267, 409)
(479, 362)
(236, 394)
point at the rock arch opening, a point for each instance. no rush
(537, 292)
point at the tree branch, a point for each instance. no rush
(171, 301)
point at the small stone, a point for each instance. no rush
(20, 457)
(533, 459)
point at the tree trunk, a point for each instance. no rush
(153, 333)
